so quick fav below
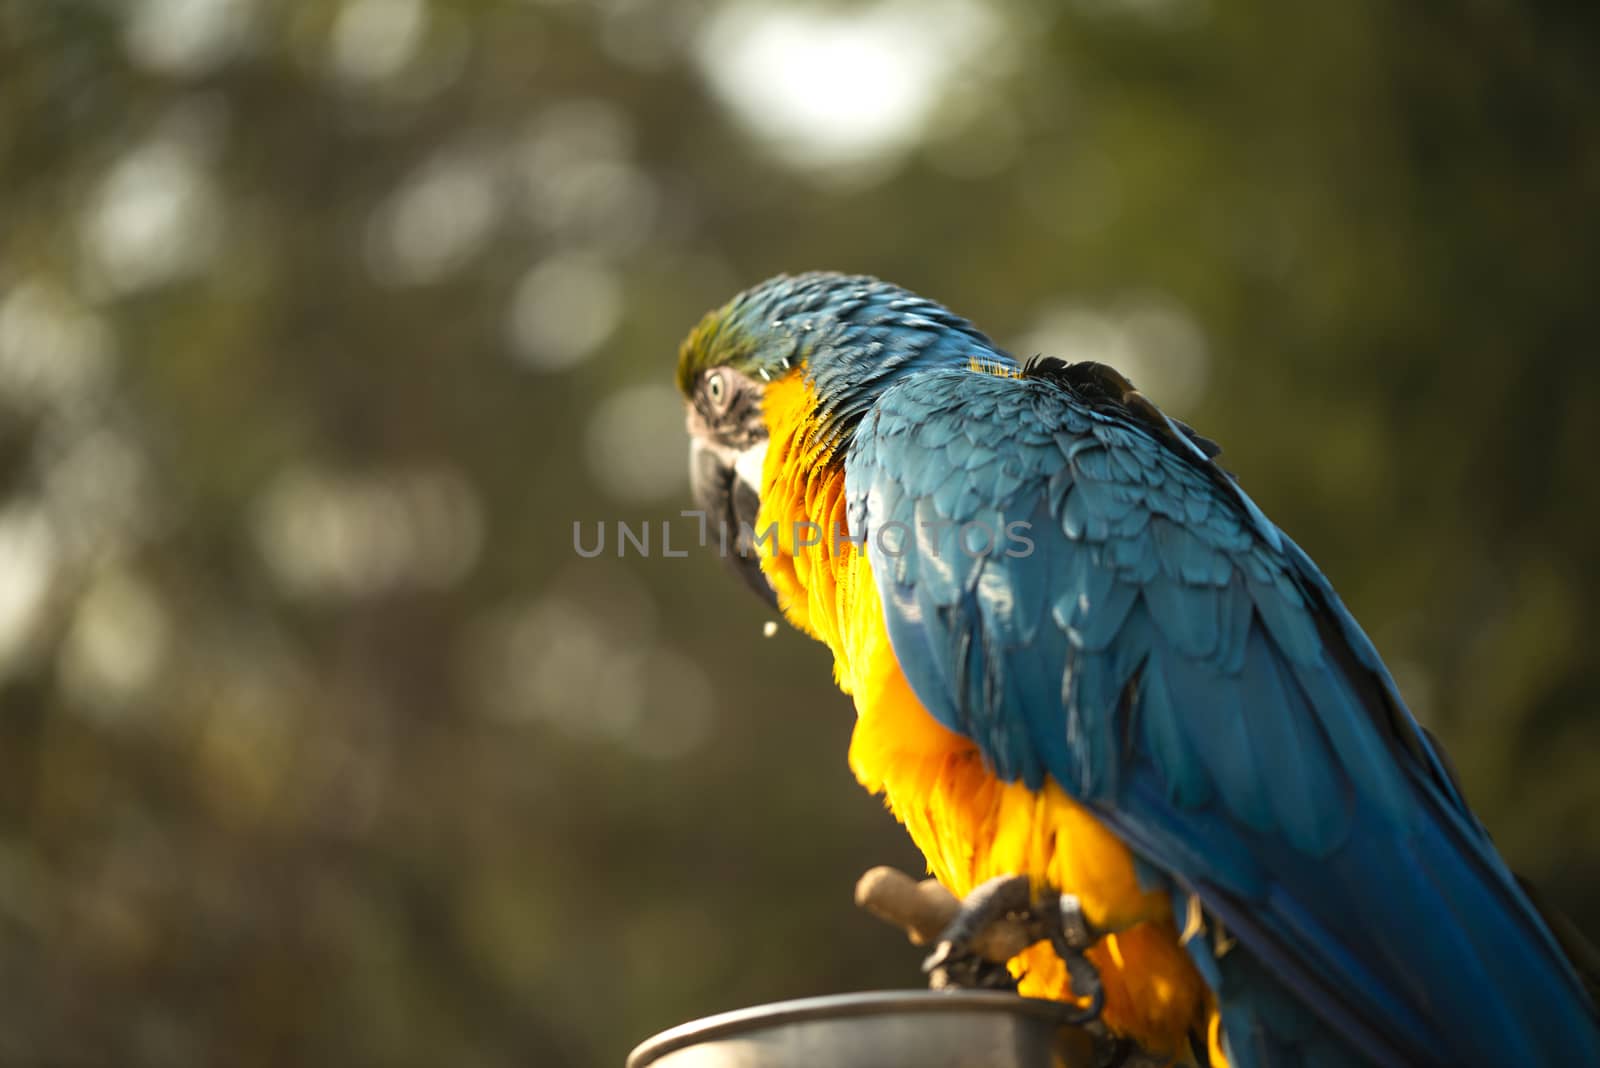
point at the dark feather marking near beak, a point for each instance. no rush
(728, 500)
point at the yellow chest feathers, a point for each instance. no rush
(969, 825)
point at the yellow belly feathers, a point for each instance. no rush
(969, 824)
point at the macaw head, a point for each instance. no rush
(846, 337)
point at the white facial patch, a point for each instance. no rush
(748, 465)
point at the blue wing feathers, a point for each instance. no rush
(1183, 773)
(1292, 753)
(1172, 659)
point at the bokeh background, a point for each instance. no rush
(322, 323)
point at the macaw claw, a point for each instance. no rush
(967, 956)
(962, 959)
(950, 968)
(1071, 935)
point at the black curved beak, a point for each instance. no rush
(730, 506)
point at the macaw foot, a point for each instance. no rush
(965, 955)
(962, 960)
(1071, 935)
(998, 920)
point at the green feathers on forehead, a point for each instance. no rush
(855, 335)
(734, 336)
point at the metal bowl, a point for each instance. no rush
(880, 1029)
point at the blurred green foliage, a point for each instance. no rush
(321, 325)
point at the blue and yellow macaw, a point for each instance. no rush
(1079, 652)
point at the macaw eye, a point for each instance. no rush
(717, 390)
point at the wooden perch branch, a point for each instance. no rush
(924, 909)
